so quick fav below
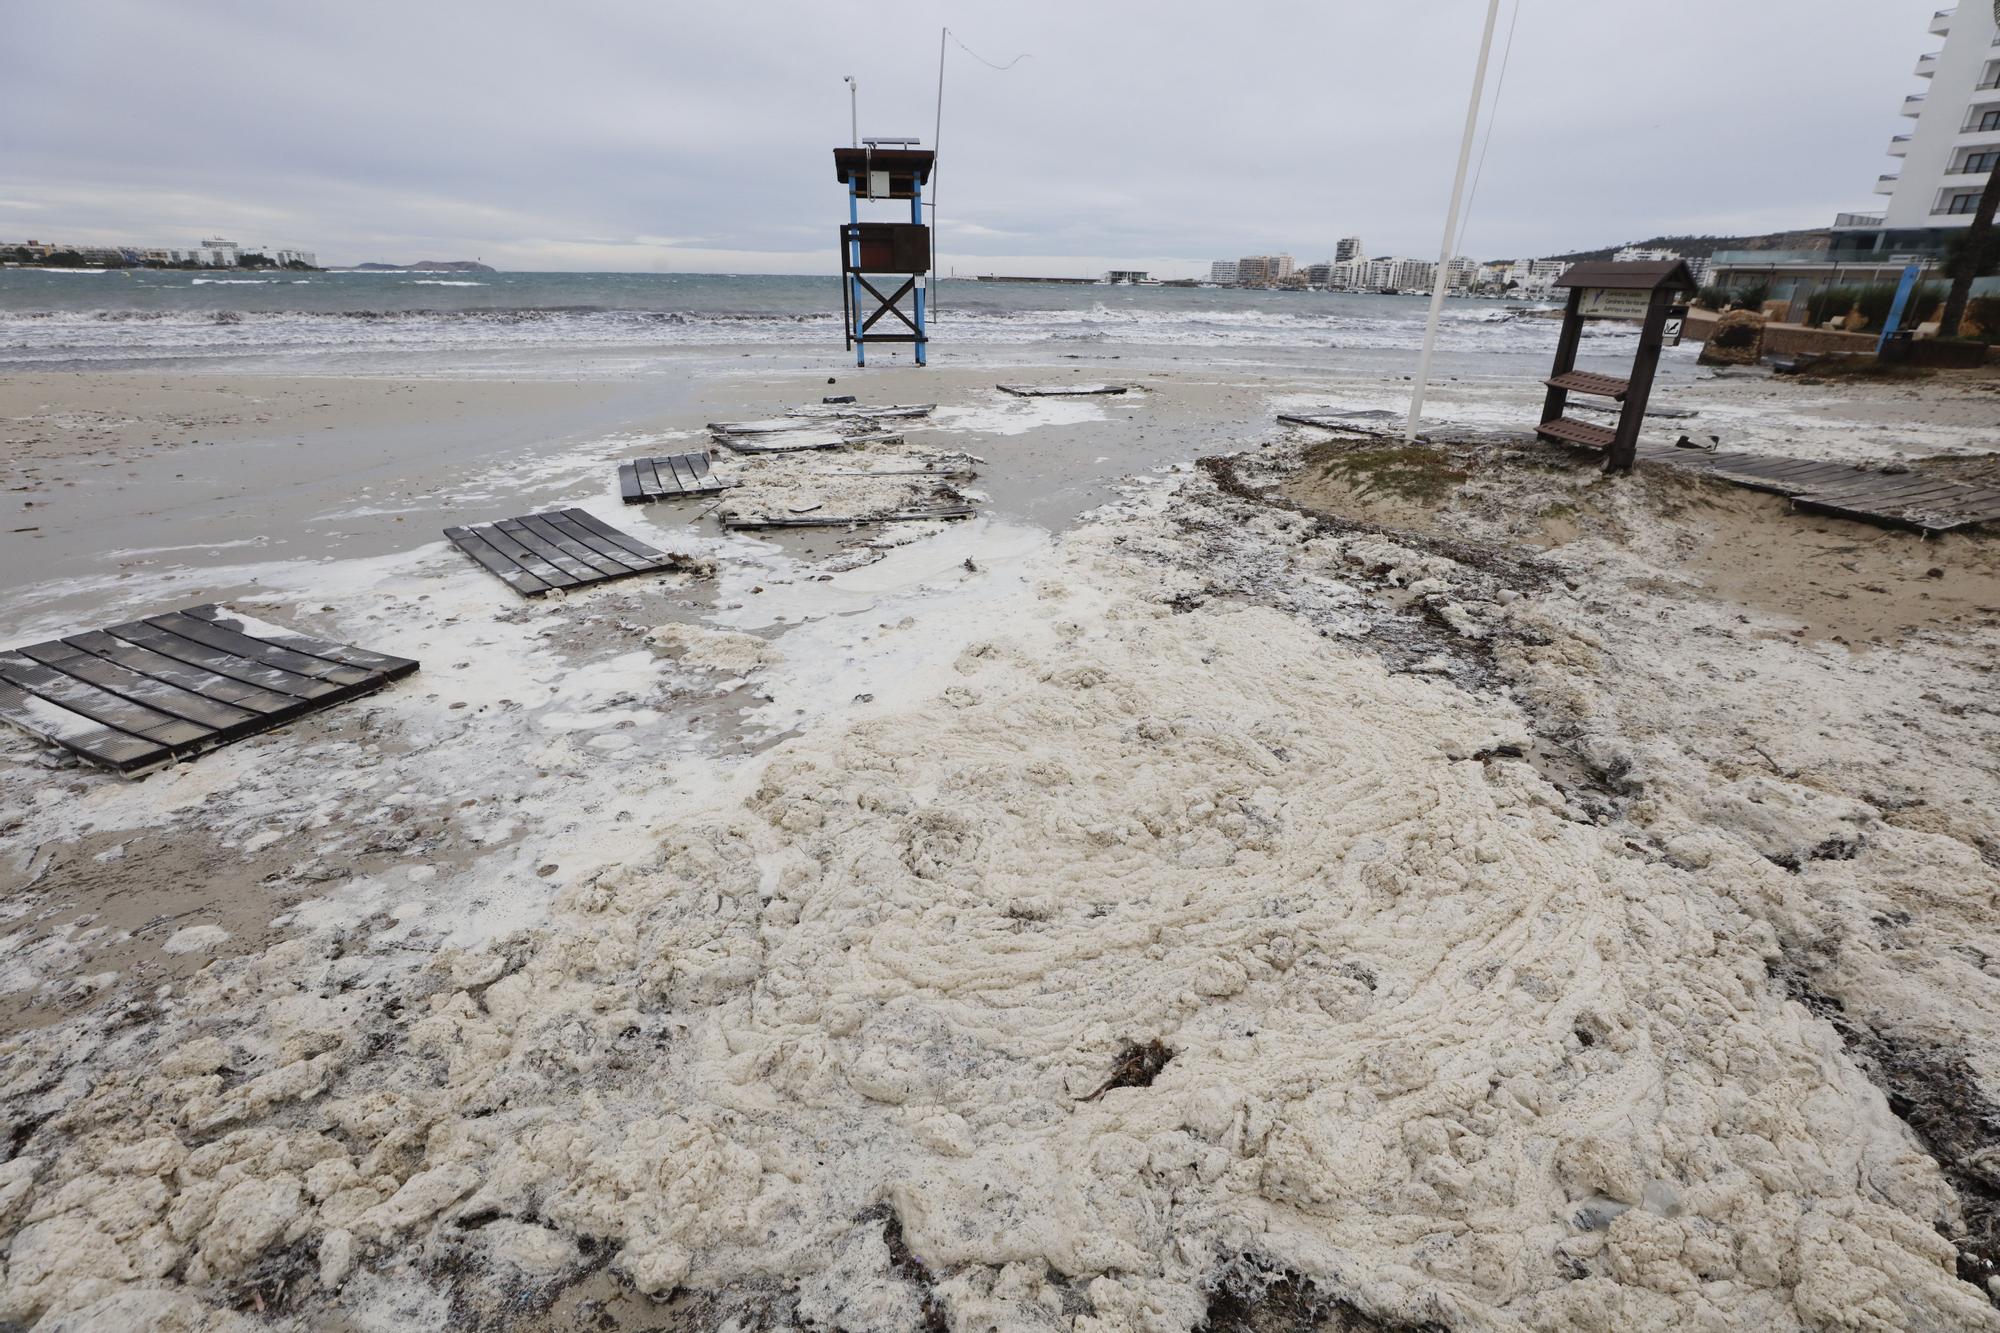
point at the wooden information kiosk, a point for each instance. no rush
(1649, 293)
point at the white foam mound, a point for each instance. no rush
(1437, 1045)
(715, 650)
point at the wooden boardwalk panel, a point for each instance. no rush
(1898, 499)
(1059, 390)
(146, 693)
(561, 548)
(673, 477)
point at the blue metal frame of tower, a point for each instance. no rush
(855, 330)
(923, 279)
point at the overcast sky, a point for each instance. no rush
(662, 136)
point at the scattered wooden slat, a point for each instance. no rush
(1331, 419)
(764, 427)
(862, 412)
(582, 566)
(257, 650)
(171, 686)
(275, 679)
(174, 671)
(344, 653)
(845, 520)
(1060, 390)
(474, 542)
(796, 439)
(559, 548)
(78, 733)
(159, 695)
(671, 477)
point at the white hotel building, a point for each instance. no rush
(1951, 148)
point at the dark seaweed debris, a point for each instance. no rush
(1137, 1067)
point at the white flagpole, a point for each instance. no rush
(1451, 221)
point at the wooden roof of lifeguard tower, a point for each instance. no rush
(1649, 276)
(897, 161)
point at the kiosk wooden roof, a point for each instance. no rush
(1650, 276)
(907, 167)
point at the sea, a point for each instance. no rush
(442, 322)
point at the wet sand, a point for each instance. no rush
(432, 901)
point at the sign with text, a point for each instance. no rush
(1614, 303)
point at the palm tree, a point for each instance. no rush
(1975, 251)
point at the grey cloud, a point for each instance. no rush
(697, 136)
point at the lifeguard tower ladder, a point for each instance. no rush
(884, 169)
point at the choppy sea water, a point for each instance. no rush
(137, 318)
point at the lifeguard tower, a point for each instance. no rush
(884, 169)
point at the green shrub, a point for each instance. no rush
(1829, 303)
(1983, 311)
(1874, 301)
(1753, 296)
(1926, 304)
(1712, 297)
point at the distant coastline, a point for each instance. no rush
(425, 266)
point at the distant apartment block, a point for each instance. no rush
(1263, 270)
(1348, 250)
(1633, 254)
(1390, 273)
(1222, 271)
(1134, 276)
(212, 253)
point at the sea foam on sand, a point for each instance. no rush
(1438, 1045)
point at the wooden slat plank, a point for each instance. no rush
(498, 562)
(576, 571)
(141, 689)
(1059, 390)
(657, 485)
(844, 521)
(1888, 489)
(242, 645)
(97, 704)
(601, 565)
(346, 654)
(78, 734)
(777, 442)
(610, 552)
(1577, 432)
(628, 483)
(583, 519)
(207, 658)
(1916, 518)
(175, 684)
(1771, 469)
(530, 562)
(1584, 381)
(215, 685)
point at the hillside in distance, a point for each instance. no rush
(430, 266)
(1701, 247)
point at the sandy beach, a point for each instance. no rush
(1248, 876)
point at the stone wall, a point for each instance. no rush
(1785, 339)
